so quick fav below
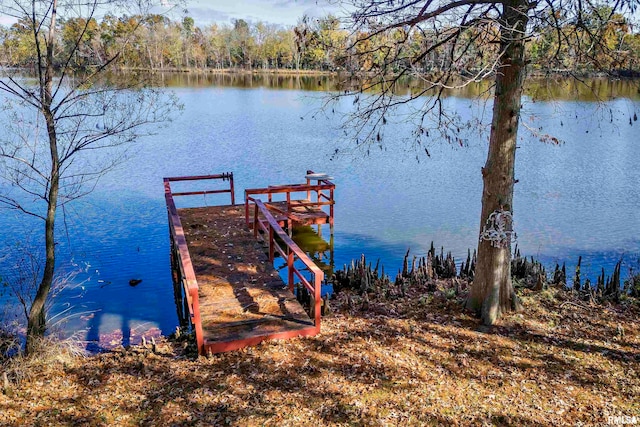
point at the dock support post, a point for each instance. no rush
(331, 209)
(331, 259)
(172, 255)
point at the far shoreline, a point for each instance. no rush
(533, 73)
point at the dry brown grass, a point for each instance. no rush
(9, 343)
(50, 352)
(402, 362)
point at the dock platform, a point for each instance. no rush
(222, 258)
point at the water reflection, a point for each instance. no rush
(537, 88)
(247, 81)
(313, 244)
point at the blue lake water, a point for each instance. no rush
(578, 198)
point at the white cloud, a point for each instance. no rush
(206, 16)
(299, 3)
(7, 21)
(282, 12)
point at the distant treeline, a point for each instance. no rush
(158, 43)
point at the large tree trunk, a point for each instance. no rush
(492, 291)
(36, 323)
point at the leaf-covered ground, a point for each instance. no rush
(419, 361)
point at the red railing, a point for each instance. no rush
(324, 192)
(227, 176)
(263, 221)
(180, 252)
(290, 251)
(320, 195)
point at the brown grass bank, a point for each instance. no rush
(406, 361)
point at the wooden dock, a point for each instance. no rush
(222, 258)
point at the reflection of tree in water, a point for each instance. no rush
(538, 88)
(127, 334)
(112, 323)
(314, 245)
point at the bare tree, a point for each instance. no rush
(65, 127)
(450, 44)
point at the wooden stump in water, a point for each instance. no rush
(560, 275)
(576, 277)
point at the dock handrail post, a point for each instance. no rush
(246, 208)
(308, 183)
(317, 287)
(255, 221)
(271, 245)
(197, 322)
(290, 268)
(232, 188)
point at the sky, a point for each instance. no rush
(6, 20)
(282, 12)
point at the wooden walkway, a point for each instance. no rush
(233, 294)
